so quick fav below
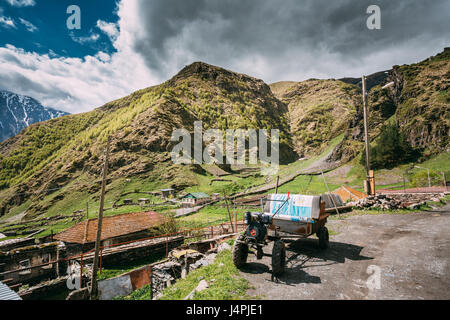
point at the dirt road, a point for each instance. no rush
(409, 252)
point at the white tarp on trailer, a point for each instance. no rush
(299, 208)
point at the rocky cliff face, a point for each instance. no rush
(18, 112)
(419, 101)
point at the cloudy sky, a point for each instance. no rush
(125, 45)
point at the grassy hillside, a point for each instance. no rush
(55, 166)
(319, 110)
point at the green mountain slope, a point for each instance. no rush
(55, 166)
(67, 153)
(319, 110)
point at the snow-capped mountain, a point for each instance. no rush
(18, 112)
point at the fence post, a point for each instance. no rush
(101, 260)
(81, 270)
(167, 246)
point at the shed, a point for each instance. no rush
(194, 199)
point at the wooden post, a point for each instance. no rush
(276, 187)
(94, 284)
(445, 180)
(366, 137)
(228, 209)
(167, 246)
(87, 210)
(81, 269)
(331, 196)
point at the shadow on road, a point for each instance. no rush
(255, 268)
(337, 252)
(305, 253)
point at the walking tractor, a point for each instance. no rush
(281, 216)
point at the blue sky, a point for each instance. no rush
(127, 45)
(49, 18)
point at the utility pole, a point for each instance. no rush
(94, 284)
(367, 183)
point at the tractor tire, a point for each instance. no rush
(323, 236)
(240, 252)
(278, 258)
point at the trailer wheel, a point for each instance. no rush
(323, 236)
(240, 252)
(278, 258)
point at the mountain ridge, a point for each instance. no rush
(65, 154)
(20, 111)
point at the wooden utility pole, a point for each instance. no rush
(94, 284)
(367, 183)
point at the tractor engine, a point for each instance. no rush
(256, 226)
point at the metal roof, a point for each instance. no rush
(7, 294)
(197, 195)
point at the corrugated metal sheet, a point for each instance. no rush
(7, 294)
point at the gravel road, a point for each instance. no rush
(408, 253)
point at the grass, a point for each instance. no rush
(212, 215)
(223, 279)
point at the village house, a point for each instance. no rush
(116, 229)
(31, 264)
(194, 199)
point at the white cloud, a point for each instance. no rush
(110, 29)
(7, 22)
(30, 27)
(21, 3)
(155, 39)
(78, 85)
(87, 39)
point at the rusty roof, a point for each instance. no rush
(115, 226)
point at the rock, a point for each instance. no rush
(223, 246)
(203, 285)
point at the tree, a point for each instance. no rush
(391, 149)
